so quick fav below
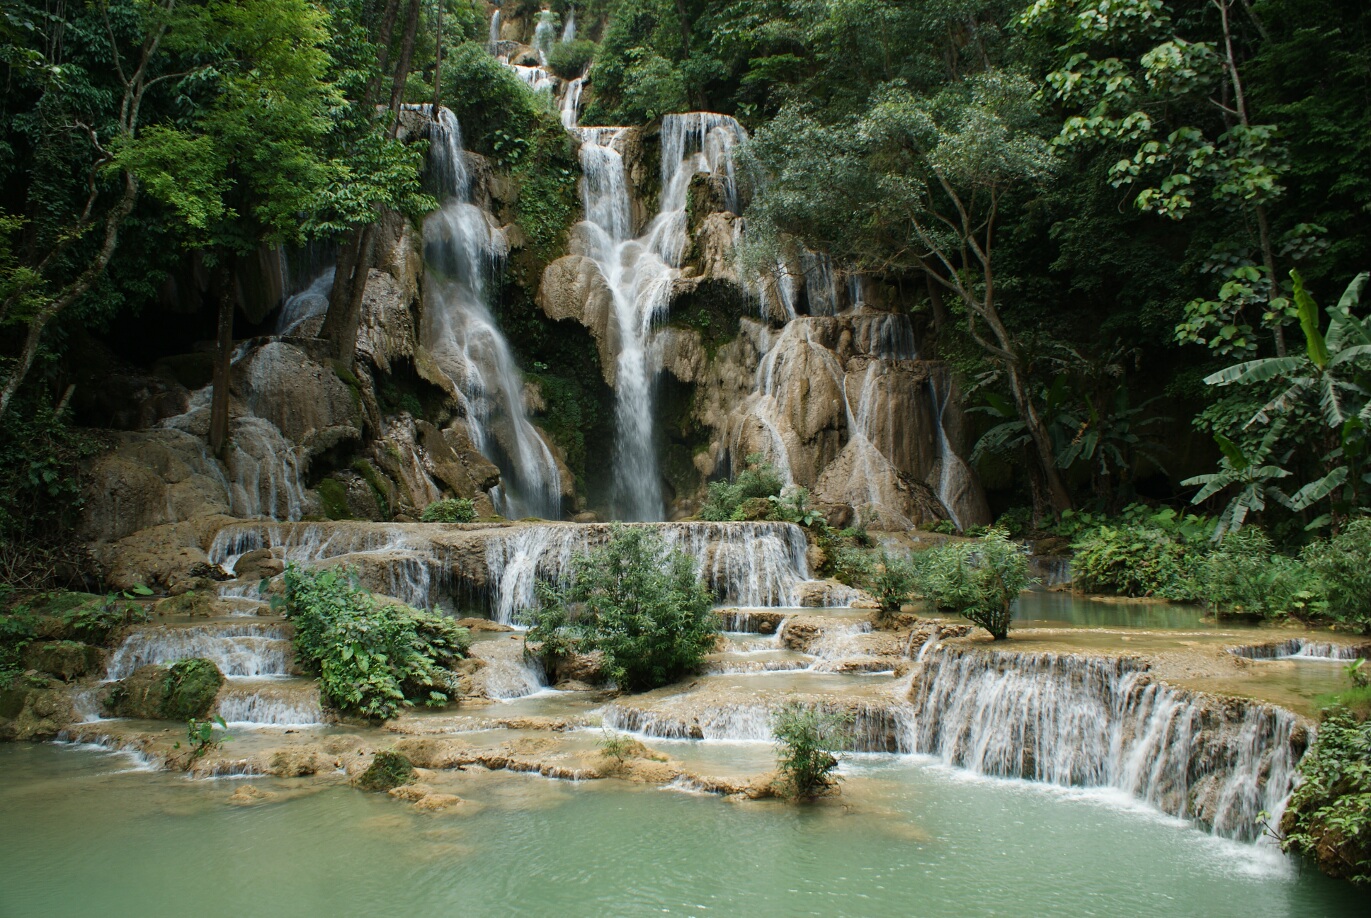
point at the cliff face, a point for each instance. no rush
(818, 374)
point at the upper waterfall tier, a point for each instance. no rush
(745, 564)
(462, 251)
(638, 272)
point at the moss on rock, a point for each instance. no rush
(181, 691)
(389, 769)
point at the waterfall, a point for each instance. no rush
(1097, 722)
(505, 673)
(462, 250)
(639, 273)
(956, 488)
(571, 102)
(246, 649)
(261, 473)
(544, 34)
(494, 40)
(569, 30)
(535, 78)
(744, 564)
(277, 705)
(1301, 649)
(309, 303)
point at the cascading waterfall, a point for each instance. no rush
(305, 305)
(535, 78)
(246, 649)
(493, 42)
(745, 564)
(571, 102)
(462, 250)
(1301, 649)
(956, 487)
(569, 30)
(277, 704)
(544, 34)
(639, 272)
(1096, 722)
(263, 468)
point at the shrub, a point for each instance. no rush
(806, 743)
(979, 580)
(889, 578)
(454, 510)
(1246, 576)
(1137, 560)
(571, 59)
(1343, 563)
(202, 737)
(726, 498)
(18, 628)
(1329, 816)
(636, 601)
(93, 621)
(372, 656)
(387, 770)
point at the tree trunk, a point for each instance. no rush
(223, 357)
(1057, 494)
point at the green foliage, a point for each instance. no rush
(389, 769)
(93, 622)
(759, 480)
(41, 457)
(614, 745)
(636, 601)
(1328, 818)
(1136, 560)
(202, 738)
(452, 510)
(977, 579)
(890, 578)
(18, 628)
(807, 739)
(1244, 575)
(334, 497)
(572, 59)
(189, 689)
(372, 656)
(1343, 563)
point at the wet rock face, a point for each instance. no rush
(67, 660)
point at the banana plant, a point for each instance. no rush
(1329, 383)
(1328, 373)
(1254, 476)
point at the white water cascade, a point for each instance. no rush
(569, 30)
(571, 102)
(305, 305)
(956, 487)
(745, 564)
(246, 649)
(544, 34)
(1094, 722)
(493, 42)
(462, 251)
(639, 271)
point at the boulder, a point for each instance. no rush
(573, 289)
(184, 690)
(34, 707)
(67, 660)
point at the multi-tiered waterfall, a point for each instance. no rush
(639, 271)
(462, 251)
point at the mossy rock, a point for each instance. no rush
(190, 689)
(389, 769)
(333, 496)
(754, 509)
(34, 708)
(181, 691)
(67, 660)
(196, 603)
